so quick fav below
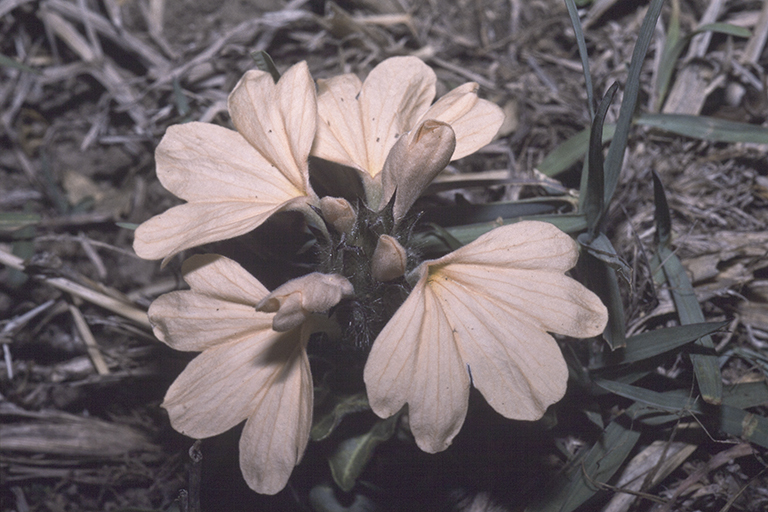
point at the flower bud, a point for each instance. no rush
(389, 259)
(298, 298)
(414, 161)
(338, 213)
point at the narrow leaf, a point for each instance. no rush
(571, 151)
(662, 216)
(265, 63)
(593, 206)
(583, 478)
(653, 343)
(619, 143)
(706, 128)
(12, 221)
(688, 310)
(573, 13)
(731, 420)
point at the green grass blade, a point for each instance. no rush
(573, 13)
(571, 151)
(653, 343)
(12, 221)
(673, 45)
(662, 216)
(429, 244)
(593, 206)
(265, 63)
(688, 310)
(706, 128)
(724, 28)
(581, 480)
(731, 420)
(602, 267)
(615, 155)
(705, 363)
(667, 402)
(8, 62)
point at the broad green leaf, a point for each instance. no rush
(706, 128)
(344, 405)
(352, 455)
(744, 396)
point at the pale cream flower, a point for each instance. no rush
(234, 180)
(481, 315)
(246, 371)
(359, 123)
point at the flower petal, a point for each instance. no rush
(275, 435)
(340, 137)
(522, 265)
(279, 120)
(489, 305)
(415, 361)
(228, 383)
(219, 308)
(515, 364)
(221, 174)
(394, 97)
(475, 121)
(192, 224)
(202, 161)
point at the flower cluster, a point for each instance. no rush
(477, 316)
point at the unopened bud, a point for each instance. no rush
(298, 298)
(414, 161)
(338, 213)
(389, 259)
